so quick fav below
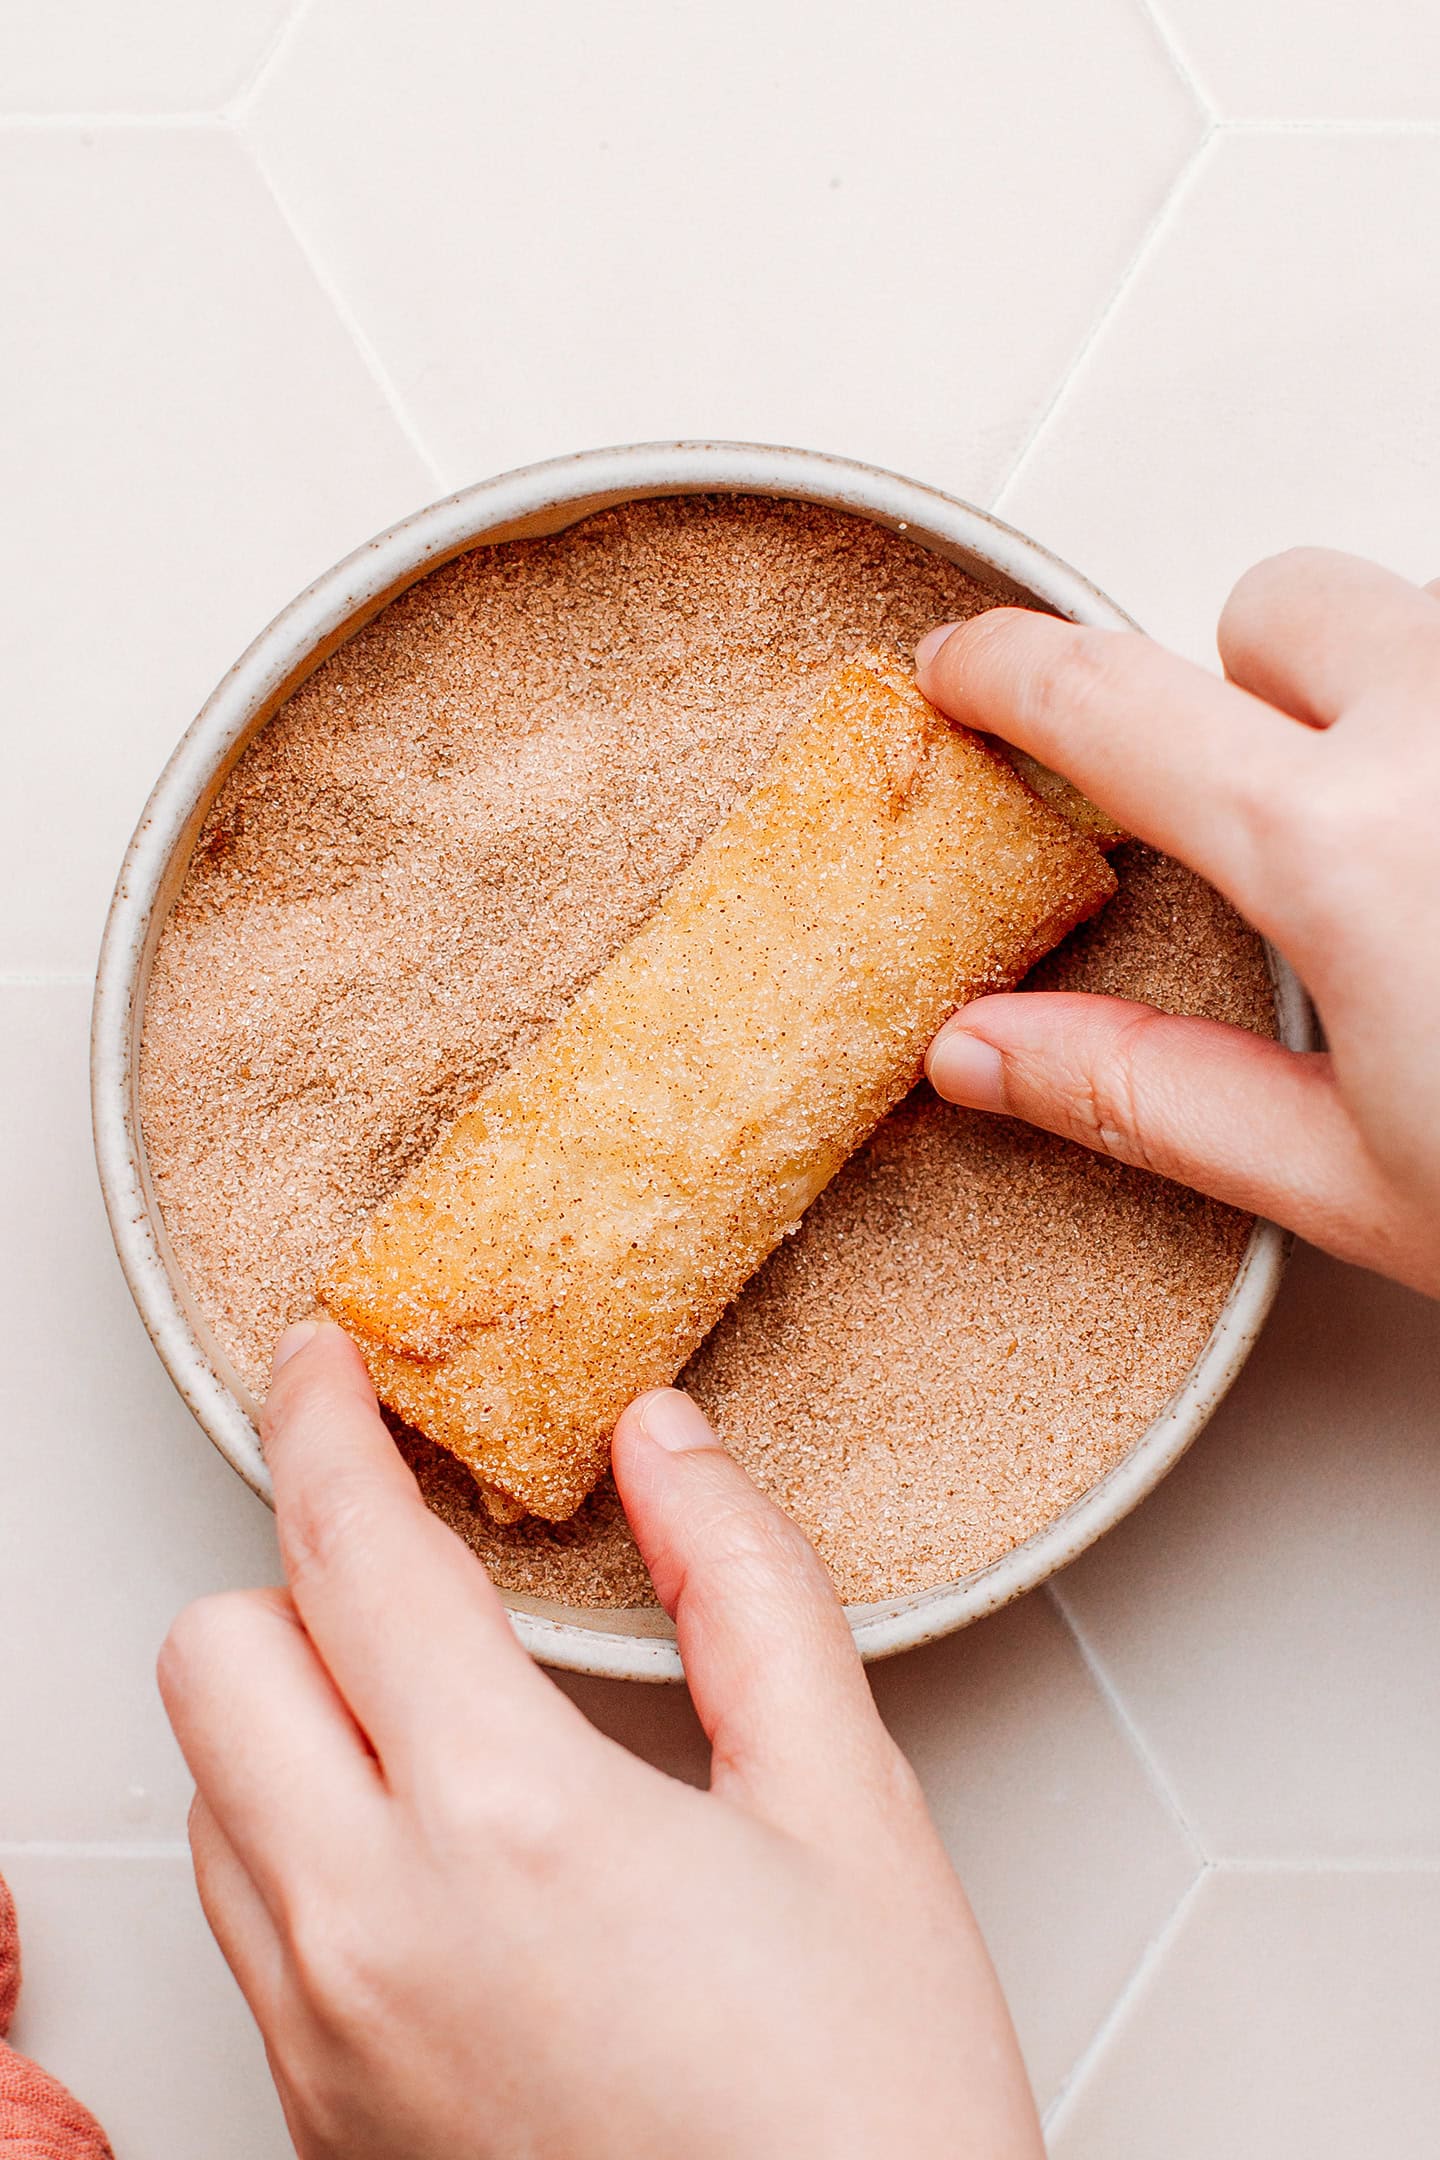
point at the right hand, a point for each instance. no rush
(1307, 789)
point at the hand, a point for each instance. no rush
(1307, 788)
(468, 1925)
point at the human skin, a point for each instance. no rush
(469, 1925)
(1307, 788)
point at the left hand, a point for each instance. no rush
(469, 1925)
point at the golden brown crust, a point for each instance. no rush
(572, 1238)
(1064, 796)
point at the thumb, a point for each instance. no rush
(772, 1668)
(1232, 1114)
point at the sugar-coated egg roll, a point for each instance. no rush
(1064, 796)
(571, 1239)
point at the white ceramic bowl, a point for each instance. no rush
(639, 1644)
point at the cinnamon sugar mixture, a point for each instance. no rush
(443, 835)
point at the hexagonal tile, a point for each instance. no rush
(151, 56)
(1287, 2013)
(127, 2000)
(1266, 379)
(1355, 60)
(116, 1510)
(807, 225)
(201, 438)
(1058, 1832)
(1269, 1617)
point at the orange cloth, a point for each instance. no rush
(39, 2120)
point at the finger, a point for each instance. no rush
(1321, 634)
(772, 1668)
(1191, 764)
(406, 1620)
(277, 1758)
(1229, 1113)
(237, 1915)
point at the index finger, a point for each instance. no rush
(769, 1658)
(1191, 764)
(404, 1618)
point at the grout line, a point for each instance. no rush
(240, 101)
(1129, 1729)
(369, 357)
(1282, 126)
(94, 1849)
(46, 979)
(1185, 69)
(35, 122)
(1179, 187)
(1348, 1865)
(1179, 60)
(1133, 1984)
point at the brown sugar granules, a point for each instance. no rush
(443, 835)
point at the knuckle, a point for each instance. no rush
(345, 1972)
(180, 1651)
(1105, 1118)
(754, 1541)
(1276, 574)
(1353, 844)
(200, 1635)
(1315, 860)
(1076, 672)
(1256, 598)
(319, 2095)
(526, 1827)
(1107, 1101)
(895, 1786)
(324, 1527)
(756, 1559)
(988, 637)
(299, 1395)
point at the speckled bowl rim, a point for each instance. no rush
(637, 1644)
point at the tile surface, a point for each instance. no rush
(116, 1512)
(1057, 1831)
(200, 440)
(1056, 254)
(127, 2000)
(1269, 1616)
(1265, 379)
(1288, 59)
(1287, 2014)
(150, 56)
(742, 222)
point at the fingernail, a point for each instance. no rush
(675, 1421)
(293, 1339)
(931, 643)
(965, 1070)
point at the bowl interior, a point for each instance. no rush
(636, 1643)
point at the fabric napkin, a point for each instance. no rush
(39, 2119)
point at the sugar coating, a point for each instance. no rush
(447, 832)
(575, 1235)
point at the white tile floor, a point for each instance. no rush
(1161, 285)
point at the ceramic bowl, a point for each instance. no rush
(638, 1644)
